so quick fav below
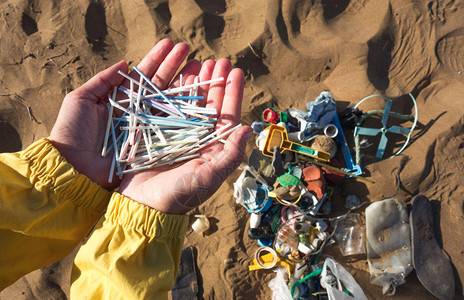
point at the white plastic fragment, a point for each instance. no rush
(305, 249)
(201, 224)
(333, 269)
(255, 220)
(279, 287)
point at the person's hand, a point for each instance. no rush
(80, 127)
(183, 186)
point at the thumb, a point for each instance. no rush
(236, 142)
(234, 149)
(101, 84)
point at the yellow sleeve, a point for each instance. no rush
(132, 253)
(46, 209)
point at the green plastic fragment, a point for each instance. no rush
(288, 179)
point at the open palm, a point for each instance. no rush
(181, 187)
(79, 130)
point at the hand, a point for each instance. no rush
(80, 127)
(183, 186)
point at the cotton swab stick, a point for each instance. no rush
(111, 145)
(159, 133)
(160, 128)
(215, 139)
(115, 147)
(124, 149)
(186, 88)
(131, 109)
(154, 164)
(181, 78)
(113, 162)
(135, 145)
(159, 92)
(147, 144)
(170, 162)
(137, 109)
(135, 81)
(194, 90)
(194, 147)
(105, 142)
(161, 107)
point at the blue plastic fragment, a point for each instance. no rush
(265, 242)
(341, 141)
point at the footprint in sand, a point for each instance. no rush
(227, 26)
(105, 29)
(95, 26)
(450, 52)
(400, 43)
(318, 28)
(319, 31)
(28, 24)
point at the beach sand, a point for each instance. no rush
(290, 51)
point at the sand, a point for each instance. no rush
(290, 51)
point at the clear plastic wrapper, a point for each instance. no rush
(350, 235)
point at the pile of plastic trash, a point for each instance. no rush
(287, 187)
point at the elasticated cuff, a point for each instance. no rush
(150, 222)
(49, 169)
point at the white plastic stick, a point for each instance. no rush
(113, 162)
(108, 127)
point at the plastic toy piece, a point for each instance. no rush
(393, 129)
(270, 116)
(288, 179)
(341, 141)
(278, 136)
(269, 260)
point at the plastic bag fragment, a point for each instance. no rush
(279, 287)
(333, 275)
(320, 111)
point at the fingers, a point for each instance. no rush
(101, 84)
(162, 62)
(233, 95)
(206, 73)
(170, 65)
(151, 62)
(216, 91)
(191, 68)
